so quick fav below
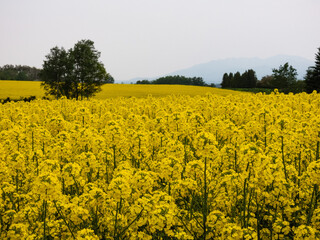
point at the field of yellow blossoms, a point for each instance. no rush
(177, 167)
(20, 89)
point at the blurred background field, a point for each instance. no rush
(18, 89)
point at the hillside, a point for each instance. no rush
(212, 71)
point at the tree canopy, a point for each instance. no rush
(312, 77)
(247, 79)
(284, 77)
(19, 72)
(76, 73)
(177, 79)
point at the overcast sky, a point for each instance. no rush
(147, 38)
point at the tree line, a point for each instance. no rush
(246, 80)
(176, 79)
(284, 78)
(312, 78)
(19, 72)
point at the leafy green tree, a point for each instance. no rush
(179, 80)
(312, 78)
(225, 81)
(55, 72)
(231, 79)
(22, 75)
(110, 79)
(18, 72)
(265, 82)
(197, 81)
(76, 73)
(236, 81)
(298, 87)
(145, 81)
(88, 74)
(246, 80)
(251, 81)
(284, 77)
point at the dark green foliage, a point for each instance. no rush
(230, 80)
(76, 73)
(226, 81)
(179, 80)
(250, 79)
(297, 87)
(285, 77)
(110, 79)
(312, 77)
(56, 73)
(254, 90)
(143, 82)
(265, 82)
(236, 82)
(18, 72)
(246, 80)
(25, 99)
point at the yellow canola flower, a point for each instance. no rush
(86, 234)
(47, 186)
(161, 167)
(314, 172)
(306, 232)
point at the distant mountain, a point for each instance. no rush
(212, 71)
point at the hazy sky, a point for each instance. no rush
(147, 38)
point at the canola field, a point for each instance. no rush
(18, 89)
(176, 167)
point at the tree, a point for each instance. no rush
(251, 81)
(56, 73)
(312, 78)
(284, 77)
(265, 82)
(225, 81)
(145, 81)
(247, 79)
(180, 80)
(197, 81)
(18, 72)
(236, 81)
(76, 73)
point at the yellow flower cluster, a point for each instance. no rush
(177, 167)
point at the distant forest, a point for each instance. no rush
(19, 72)
(178, 80)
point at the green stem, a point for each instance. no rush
(63, 218)
(125, 229)
(44, 219)
(283, 160)
(205, 201)
(313, 203)
(32, 142)
(114, 157)
(265, 131)
(116, 220)
(318, 146)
